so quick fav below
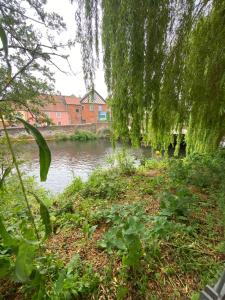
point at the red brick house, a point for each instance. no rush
(68, 110)
(57, 111)
(94, 108)
(73, 109)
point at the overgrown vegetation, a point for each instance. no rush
(80, 135)
(154, 233)
(150, 232)
(77, 136)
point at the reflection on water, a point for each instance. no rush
(69, 159)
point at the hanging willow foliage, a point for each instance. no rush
(164, 66)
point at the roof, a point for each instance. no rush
(72, 100)
(58, 104)
(93, 97)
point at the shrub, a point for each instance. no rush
(103, 184)
(76, 280)
(83, 136)
(76, 186)
(176, 205)
(127, 233)
(62, 137)
(199, 169)
(123, 161)
(77, 136)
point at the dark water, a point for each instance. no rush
(69, 159)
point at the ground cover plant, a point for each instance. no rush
(157, 233)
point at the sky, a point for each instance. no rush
(72, 84)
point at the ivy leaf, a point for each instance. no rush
(44, 216)
(24, 261)
(44, 152)
(5, 174)
(4, 40)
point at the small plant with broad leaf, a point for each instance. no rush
(127, 233)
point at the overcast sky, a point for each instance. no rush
(73, 83)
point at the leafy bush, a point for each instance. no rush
(76, 186)
(163, 228)
(127, 233)
(62, 137)
(201, 170)
(83, 136)
(103, 184)
(176, 204)
(77, 136)
(75, 280)
(123, 161)
(153, 163)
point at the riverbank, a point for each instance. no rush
(152, 232)
(51, 131)
(79, 135)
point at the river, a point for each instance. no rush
(69, 159)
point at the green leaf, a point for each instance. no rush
(4, 267)
(7, 239)
(44, 216)
(24, 261)
(5, 174)
(4, 40)
(44, 152)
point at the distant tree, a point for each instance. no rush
(164, 66)
(28, 50)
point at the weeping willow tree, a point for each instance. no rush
(164, 66)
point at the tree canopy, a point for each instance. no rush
(27, 54)
(164, 67)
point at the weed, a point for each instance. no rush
(74, 187)
(74, 280)
(104, 185)
(123, 161)
(126, 234)
(177, 204)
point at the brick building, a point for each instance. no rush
(94, 108)
(68, 110)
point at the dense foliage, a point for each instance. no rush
(27, 54)
(164, 66)
(154, 233)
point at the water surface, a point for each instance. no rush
(69, 159)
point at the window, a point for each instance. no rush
(99, 108)
(59, 123)
(91, 107)
(102, 116)
(58, 114)
(77, 110)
